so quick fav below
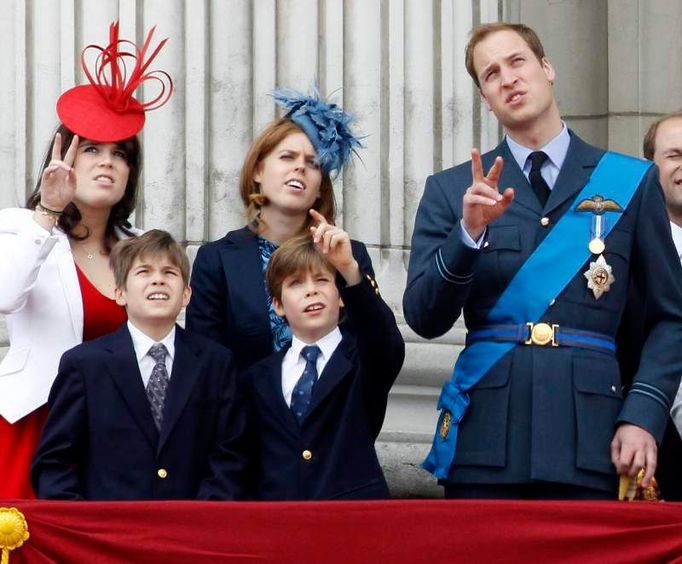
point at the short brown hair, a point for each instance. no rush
(649, 143)
(296, 255)
(250, 191)
(150, 244)
(480, 32)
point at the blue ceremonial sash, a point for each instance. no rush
(524, 300)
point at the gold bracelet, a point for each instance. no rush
(48, 212)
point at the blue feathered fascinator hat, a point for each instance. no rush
(326, 125)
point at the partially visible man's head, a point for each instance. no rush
(663, 145)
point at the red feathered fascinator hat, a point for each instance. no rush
(105, 110)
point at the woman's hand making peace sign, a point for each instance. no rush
(58, 183)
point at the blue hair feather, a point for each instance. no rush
(326, 125)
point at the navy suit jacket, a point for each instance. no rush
(345, 416)
(631, 340)
(229, 303)
(100, 441)
(544, 413)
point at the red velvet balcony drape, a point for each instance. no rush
(432, 531)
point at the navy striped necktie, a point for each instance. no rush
(303, 391)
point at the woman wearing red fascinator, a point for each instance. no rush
(57, 288)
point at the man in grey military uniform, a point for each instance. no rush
(548, 418)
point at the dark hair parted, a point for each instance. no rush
(153, 243)
(295, 256)
(480, 32)
(649, 143)
(120, 212)
(250, 190)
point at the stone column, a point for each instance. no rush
(645, 73)
(575, 36)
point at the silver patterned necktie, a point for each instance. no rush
(158, 383)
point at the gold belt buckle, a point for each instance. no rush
(542, 334)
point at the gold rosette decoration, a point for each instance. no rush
(13, 531)
(632, 490)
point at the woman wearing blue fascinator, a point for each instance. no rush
(286, 187)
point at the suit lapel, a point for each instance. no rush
(338, 367)
(268, 384)
(183, 379)
(581, 160)
(125, 372)
(70, 285)
(243, 270)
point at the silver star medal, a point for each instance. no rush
(599, 277)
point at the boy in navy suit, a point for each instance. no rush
(149, 411)
(316, 408)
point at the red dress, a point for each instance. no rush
(101, 315)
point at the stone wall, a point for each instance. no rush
(396, 64)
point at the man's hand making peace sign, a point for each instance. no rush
(482, 202)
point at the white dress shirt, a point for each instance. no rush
(676, 411)
(556, 150)
(142, 343)
(293, 363)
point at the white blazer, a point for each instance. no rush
(41, 298)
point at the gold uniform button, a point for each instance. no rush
(162, 473)
(544, 221)
(307, 455)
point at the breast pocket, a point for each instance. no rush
(617, 257)
(501, 256)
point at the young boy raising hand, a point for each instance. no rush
(316, 408)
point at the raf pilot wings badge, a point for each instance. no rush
(599, 275)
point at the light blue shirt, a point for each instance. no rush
(556, 150)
